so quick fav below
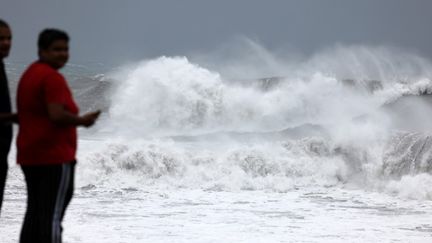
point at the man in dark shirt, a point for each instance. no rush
(6, 117)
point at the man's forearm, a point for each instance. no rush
(67, 118)
(8, 118)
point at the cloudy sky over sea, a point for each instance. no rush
(128, 30)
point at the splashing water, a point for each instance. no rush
(346, 101)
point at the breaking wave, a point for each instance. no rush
(348, 116)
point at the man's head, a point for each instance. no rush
(5, 39)
(53, 47)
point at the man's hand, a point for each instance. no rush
(90, 118)
(59, 115)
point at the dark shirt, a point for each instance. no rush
(5, 107)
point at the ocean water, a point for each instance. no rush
(254, 148)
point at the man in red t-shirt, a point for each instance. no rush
(47, 138)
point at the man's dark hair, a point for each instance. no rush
(4, 24)
(48, 36)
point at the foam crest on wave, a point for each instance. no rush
(270, 166)
(172, 96)
(275, 166)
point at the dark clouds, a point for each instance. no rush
(115, 30)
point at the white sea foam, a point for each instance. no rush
(276, 166)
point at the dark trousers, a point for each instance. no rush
(4, 151)
(3, 173)
(49, 191)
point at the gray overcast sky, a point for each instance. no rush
(120, 30)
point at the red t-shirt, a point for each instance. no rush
(40, 141)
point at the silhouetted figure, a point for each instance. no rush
(6, 117)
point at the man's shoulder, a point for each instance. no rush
(39, 70)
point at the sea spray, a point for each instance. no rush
(172, 96)
(173, 122)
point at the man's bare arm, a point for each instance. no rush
(8, 118)
(59, 115)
